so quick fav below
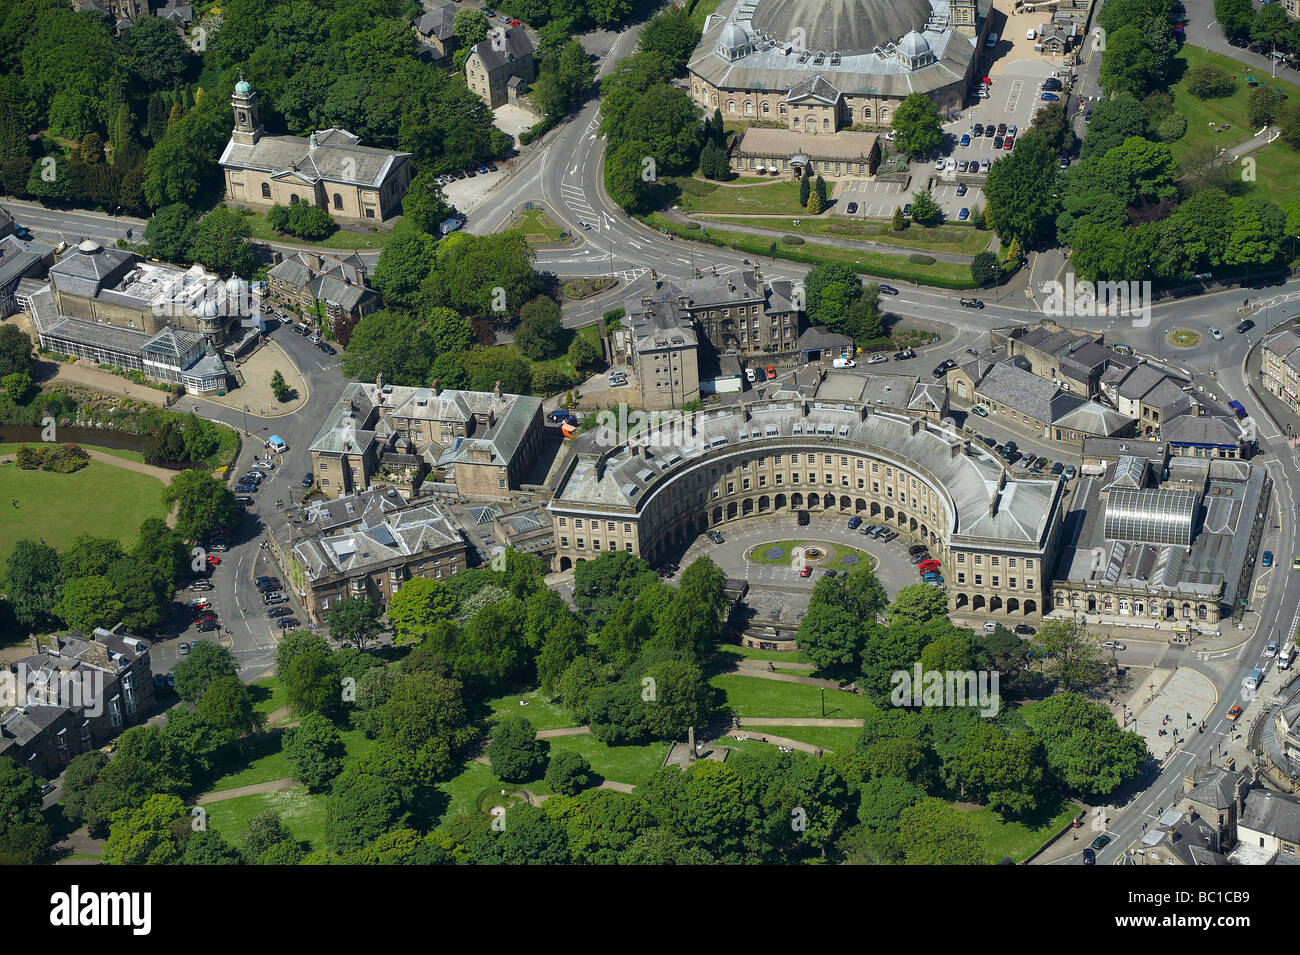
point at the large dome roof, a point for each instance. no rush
(849, 26)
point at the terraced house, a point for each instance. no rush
(309, 281)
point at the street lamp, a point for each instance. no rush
(246, 421)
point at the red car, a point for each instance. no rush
(806, 572)
(514, 23)
(213, 560)
(200, 606)
(927, 565)
(1008, 142)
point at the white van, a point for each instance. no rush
(1255, 679)
(1031, 34)
(843, 363)
(1284, 656)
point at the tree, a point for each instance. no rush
(805, 191)
(515, 753)
(1020, 189)
(918, 604)
(155, 54)
(1133, 63)
(819, 187)
(354, 621)
(265, 830)
(1084, 747)
(815, 204)
(204, 504)
(624, 175)
(470, 27)
(424, 205)
(221, 243)
(1234, 16)
(280, 388)
(935, 833)
(425, 717)
(984, 268)
(89, 602)
(671, 34)
(371, 796)
(1113, 121)
(924, 208)
(170, 232)
(583, 353)
(1263, 104)
(917, 126)
(540, 334)
(315, 750)
(1053, 124)
(713, 162)
(420, 603)
(568, 773)
(899, 221)
(1077, 661)
(830, 290)
(78, 789)
(15, 351)
(1207, 81)
(209, 847)
(24, 835)
(145, 835)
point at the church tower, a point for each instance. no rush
(248, 128)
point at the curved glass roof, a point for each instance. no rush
(1152, 516)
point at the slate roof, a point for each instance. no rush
(516, 46)
(381, 533)
(179, 13)
(339, 280)
(438, 22)
(1207, 430)
(1285, 345)
(1140, 381)
(87, 272)
(815, 87)
(1026, 392)
(1093, 417)
(337, 157)
(19, 259)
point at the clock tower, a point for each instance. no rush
(248, 128)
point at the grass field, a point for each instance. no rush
(1019, 839)
(958, 240)
(757, 697)
(953, 275)
(1277, 165)
(342, 239)
(591, 333)
(543, 714)
(838, 552)
(755, 654)
(99, 499)
(622, 764)
(773, 198)
(536, 226)
(302, 813)
(268, 761)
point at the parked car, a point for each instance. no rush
(1268, 559)
(212, 560)
(979, 129)
(806, 572)
(183, 648)
(308, 479)
(843, 363)
(245, 489)
(1025, 630)
(274, 598)
(1070, 472)
(1112, 645)
(905, 354)
(1008, 142)
(963, 215)
(1050, 98)
(854, 523)
(997, 142)
(218, 547)
(1271, 649)
(327, 348)
(203, 585)
(961, 187)
(266, 580)
(851, 208)
(243, 499)
(286, 623)
(275, 612)
(1011, 131)
(877, 359)
(207, 626)
(984, 165)
(965, 139)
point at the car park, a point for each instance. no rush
(997, 142)
(965, 139)
(979, 130)
(274, 598)
(984, 165)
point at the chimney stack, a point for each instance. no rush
(437, 387)
(496, 390)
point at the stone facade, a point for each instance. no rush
(504, 56)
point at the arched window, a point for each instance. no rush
(731, 106)
(749, 108)
(884, 114)
(796, 122)
(766, 109)
(293, 200)
(266, 190)
(781, 109)
(826, 123)
(866, 112)
(338, 201)
(849, 115)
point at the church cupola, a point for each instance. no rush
(248, 127)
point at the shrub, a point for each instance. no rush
(1172, 127)
(916, 258)
(1205, 81)
(568, 773)
(791, 240)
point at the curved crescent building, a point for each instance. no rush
(819, 66)
(994, 535)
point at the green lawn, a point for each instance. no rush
(464, 789)
(838, 738)
(543, 714)
(99, 499)
(1277, 165)
(269, 696)
(590, 332)
(342, 239)
(269, 762)
(838, 552)
(953, 275)
(536, 226)
(303, 814)
(772, 699)
(773, 198)
(959, 240)
(700, 12)
(10, 448)
(622, 764)
(754, 653)
(1019, 839)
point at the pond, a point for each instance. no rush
(95, 437)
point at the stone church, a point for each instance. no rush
(329, 169)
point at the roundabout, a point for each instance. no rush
(1183, 338)
(800, 553)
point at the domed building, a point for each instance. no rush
(821, 66)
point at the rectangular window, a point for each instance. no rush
(961, 576)
(979, 580)
(1011, 582)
